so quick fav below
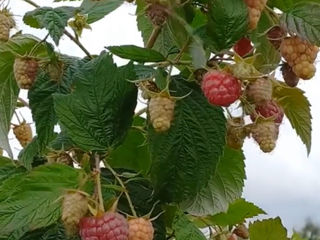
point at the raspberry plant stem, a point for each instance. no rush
(98, 183)
(123, 186)
(69, 35)
(153, 37)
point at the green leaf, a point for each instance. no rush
(185, 229)
(268, 229)
(304, 21)
(53, 19)
(237, 213)
(29, 153)
(41, 100)
(53, 232)
(97, 10)
(225, 186)
(136, 53)
(285, 5)
(8, 169)
(297, 109)
(198, 54)
(267, 57)
(164, 42)
(228, 22)
(296, 236)
(34, 202)
(185, 156)
(133, 154)
(9, 91)
(97, 115)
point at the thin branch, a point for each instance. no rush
(153, 37)
(123, 186)
(69, 35)
(98, 182)
(25, 103)
(140, 112)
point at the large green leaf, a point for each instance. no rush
(9, 91)
(304, 21)
(41, 100)
(185, 156)
(268, 229)
(99, 112)
(228, 22)
(53, 232)
(133, 154)
(297, 109)
(96, 10)
(185, 229)
(33, 202)
(8, 169)
(136, 53)
(285, 5)
(267, 57)
(238, 212)
(29, 153)
(224, 187)
(53, 19)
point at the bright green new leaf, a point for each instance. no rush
(53, 19)
(187, 154)
(303, 20)
(225, 186)
(136, 53)
(98, 113)
(237, 213)
(269, 229)
(297, 109)
(34, 202)
(185, 229)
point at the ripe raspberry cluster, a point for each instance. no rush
(74, 207)
(6, 23)
(255, 8)
(25, 71)
(23, 133)
(300, 55)
(161, 112)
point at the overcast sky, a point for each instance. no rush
(285, 183)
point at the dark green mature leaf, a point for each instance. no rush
(297, 109)
(224, 187)
(8, 169)
(185, 229)
(268, 229)
(285, 5)
(303, 20)
(133, 154)
(185, 156)
(228, 22)
(164, 42)
(29, 153)
(53, 19)
(41, 100)
(99, 112)
(9, 91)
(267, 57)
(136, 53)
(237, 213)
(33, 202)
(97, 10)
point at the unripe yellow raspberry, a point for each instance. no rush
(23, 133)
(161, 112)
(74, 207)
(25, 71)
(265, 134)
(140, 229)
(6, 23)
(255, 8)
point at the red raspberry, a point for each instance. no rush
(275, 36)
(221, 88)
(140, 229)
(243, 47)
(110, 226)
(269, 109)
(259, 91)
(290, 78)
(241, 231)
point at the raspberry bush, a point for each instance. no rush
(144, 150)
